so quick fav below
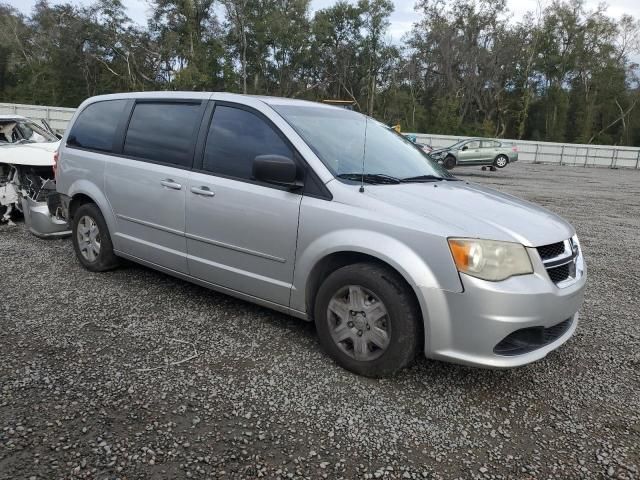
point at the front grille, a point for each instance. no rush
(529, 339)
(559, 259)
(558, 274)
(551, 251)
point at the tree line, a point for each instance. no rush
(562, 73)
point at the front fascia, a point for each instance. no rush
(466, 327)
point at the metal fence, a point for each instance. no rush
(535, 152)
(57, 117)
(557, 153)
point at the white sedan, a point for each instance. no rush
(27, 182)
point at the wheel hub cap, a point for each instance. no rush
(359, 323)
(88, 237)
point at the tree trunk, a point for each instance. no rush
(244, 61)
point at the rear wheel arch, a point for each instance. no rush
(90, 234)
(77, 201)
(85, 191)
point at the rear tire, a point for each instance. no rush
(449, 162)
(383, 335)
(91, 239)
(501, 161)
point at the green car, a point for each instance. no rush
(476, 151)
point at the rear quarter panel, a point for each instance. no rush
(82, 172)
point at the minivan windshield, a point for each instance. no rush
(350, 144)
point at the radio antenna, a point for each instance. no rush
(364, 152)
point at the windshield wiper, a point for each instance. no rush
(426, 178)
(370, 178)
(422, 178)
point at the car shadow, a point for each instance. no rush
(306, 344)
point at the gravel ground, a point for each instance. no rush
(134, 374)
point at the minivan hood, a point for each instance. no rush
(475, 211)
(30, 154)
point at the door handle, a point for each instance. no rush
(204, 191)
(169, 183)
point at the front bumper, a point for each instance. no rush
(466, 327)
(41, 222)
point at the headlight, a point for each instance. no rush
(576, 242)
(489, 259)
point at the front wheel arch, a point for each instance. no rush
(334, 261)
(450, 162)
(385, 285)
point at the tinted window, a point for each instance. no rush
(235, 138)
(96, 125)
(163, 132)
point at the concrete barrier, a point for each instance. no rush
(57, 117)
(529, 151)
(556, 153)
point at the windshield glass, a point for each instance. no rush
(23, 131)
(457, 145)
(337, 136)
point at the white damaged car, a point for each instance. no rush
(27, 183)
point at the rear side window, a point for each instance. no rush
(96, 125)
(235, 138)
(163, 132)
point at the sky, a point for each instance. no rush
(401, 20)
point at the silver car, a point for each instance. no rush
(477, 151)
(326, 215)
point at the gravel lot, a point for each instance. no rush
(134, 374)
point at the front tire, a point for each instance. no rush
(367, 320)
(91, 239)
(449, 162)
(501, 161)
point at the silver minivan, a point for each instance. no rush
(326, 215)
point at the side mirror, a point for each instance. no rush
(465, 148)
(276, 169)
